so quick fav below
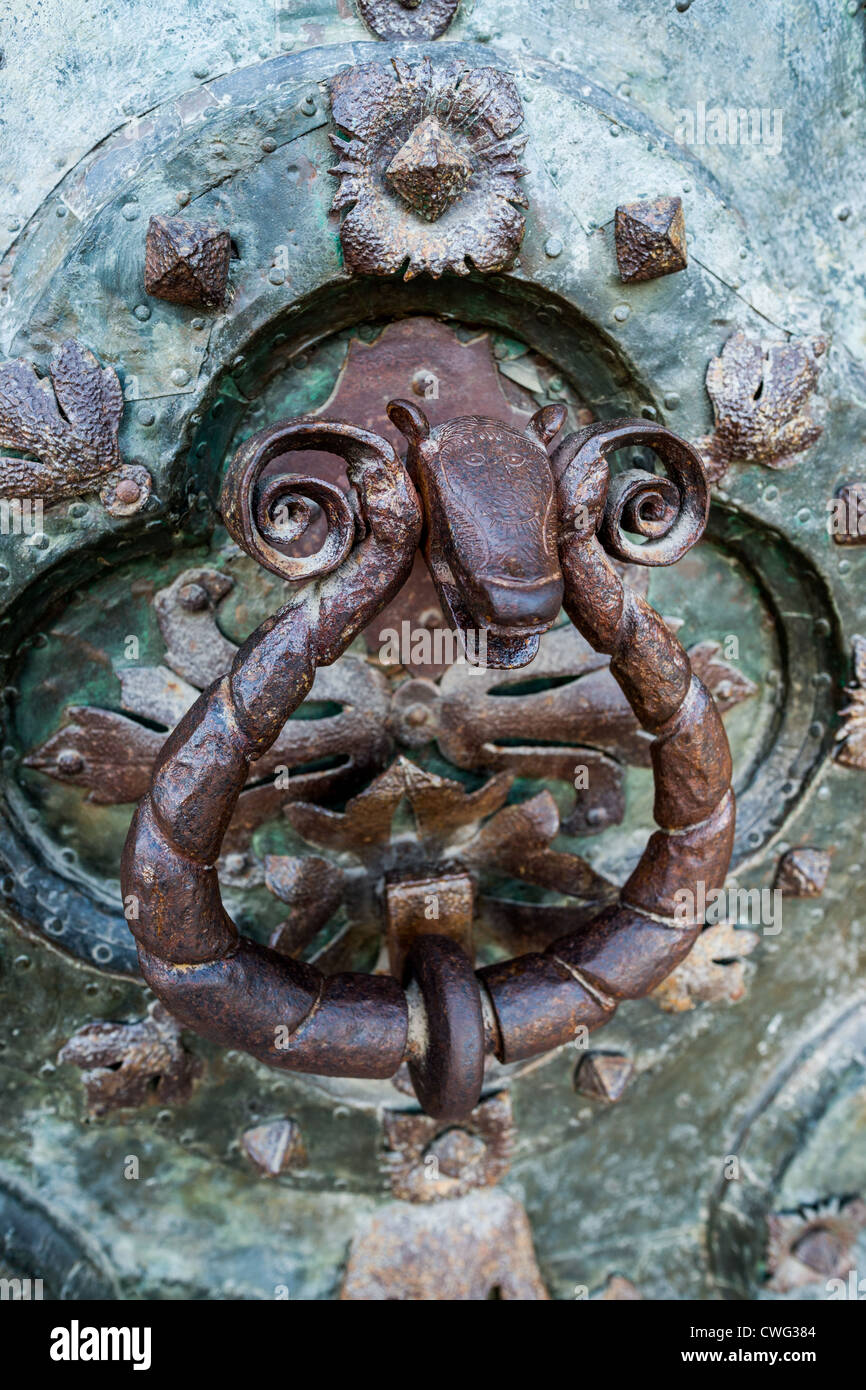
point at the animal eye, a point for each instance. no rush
(474, 458)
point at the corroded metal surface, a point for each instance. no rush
(450, 376)
(411, 905)
(66, 428)
(712, 972)
(490, 538)
(428, 1162)
(762, 401)
(773, 240)
(431, 173)
(132, 1064)
(650, 239)
(187, 262)
(851, 734)
(233, 990)
(112, 755)
(275, 1148)
(604, 1076)
(814, 1244)
(407, 19)
(803, 872)
(472, 1248)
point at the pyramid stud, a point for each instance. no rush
(428, 171)
(650, 239)
(603, 1075)
(275, 1148)
(802, 872)
(187, 262)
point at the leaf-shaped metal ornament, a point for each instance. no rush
(67, 426)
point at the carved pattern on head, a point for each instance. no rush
(491, 526)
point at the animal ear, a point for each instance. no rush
(409, 420)
(546, 423)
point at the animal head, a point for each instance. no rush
(490, 523)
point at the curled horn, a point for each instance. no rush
(249, 504)
(670, 511)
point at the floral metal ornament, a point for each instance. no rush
(763, 403)
(407, 19)
(430, 173)
(64, 429)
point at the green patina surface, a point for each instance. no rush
(774, 249)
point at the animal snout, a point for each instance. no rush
(523, 604)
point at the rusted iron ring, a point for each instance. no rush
(447, 1069)
(365, 1025)
(248, 504)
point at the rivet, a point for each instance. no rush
(672, 400)
(180, 376)
(127, 491)
(269, 144)
(69, 761)
(131, 211)
(276, 276)
(621, 313)
(142, 312)
(146, 415)
(553, 247)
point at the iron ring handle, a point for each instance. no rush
(285, 1012)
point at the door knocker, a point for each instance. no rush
(511, 533)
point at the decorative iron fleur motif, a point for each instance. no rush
(111, 754)
(431, 172)
(127, 1065)
(762, 400)
(851, 735)
(712, 972)
(454, 831)
(67, 428)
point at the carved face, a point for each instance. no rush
(496, 490)
(491, 540)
